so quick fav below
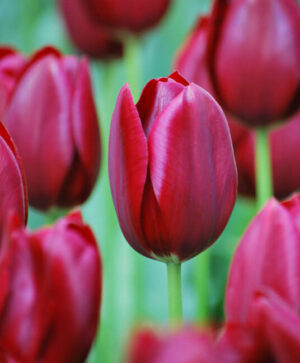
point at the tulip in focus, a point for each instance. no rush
(86, 34)
(127, 15)
(171, 167)
(53, 121)
(13, 195)
(50, 292)
(11, 65)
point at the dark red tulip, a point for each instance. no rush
(50, 292)
(285, 152)
(254, 58)
(13, 195)
(172, 170)
(53, 121)
(186, 346)
(129, 15)
(86, 33)
(11, 65)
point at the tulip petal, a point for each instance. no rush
(39, 111)
(192, 171)
(267, 258)
(128, 163)
(84, 170)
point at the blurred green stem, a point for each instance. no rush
(175, 295)
(202, 279)
(264, 184)
(132, 59)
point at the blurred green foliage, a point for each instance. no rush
(29, 24)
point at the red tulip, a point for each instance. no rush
(191, 62)
(172, 170)
(186, 346)
(13, 195)
(263, 292)
(86, 34)
(130, 15)
(52, 119)
(50, 292)
(11, 65)
(254, 58)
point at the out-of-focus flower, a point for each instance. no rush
(86, 33)
(50, 292)
(263, 292)
(11, 65)
(186, 346)
(172, 171)
(13, 194)
(258, 83)
(53, 121)
(191, 62)
(129, 15)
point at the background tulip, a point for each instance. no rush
(11, 65)
(13, 195)
(52, 119)
(258, 83)
(50, 292)
(172, 171)
(86, 33)
(129, 15)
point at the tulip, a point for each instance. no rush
(259, 83)
(133, 15)
(50, 292)
(188, 345)
(11, 65)
(85, 33)
(52, 119)
(172, 170)
(13, 196)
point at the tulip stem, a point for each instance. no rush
(133, 64)
(175, 296)
(264, 184)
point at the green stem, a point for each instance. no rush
(175, 296)
(202, 279)
(132, 59)
(264, 184)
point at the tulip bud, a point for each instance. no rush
(52, 119)
(50, 292)
(171, 167)
(13, 196)
(87, 35)
(129, 15)
(254, 58)
(11, 65)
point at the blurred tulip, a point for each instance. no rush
(50, 292)
(53, 121)
(185, 346)
(13, 195)
(131, 15)
(258, 83)
(191, 62)
(172, 170)
(86, 34)
(11, 65)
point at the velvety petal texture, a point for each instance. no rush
(172, 170)
(53, 121)
(259, 82)
(11, 65)
(87, 35)
(49, 303)
(13, 193)
(130, 15)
